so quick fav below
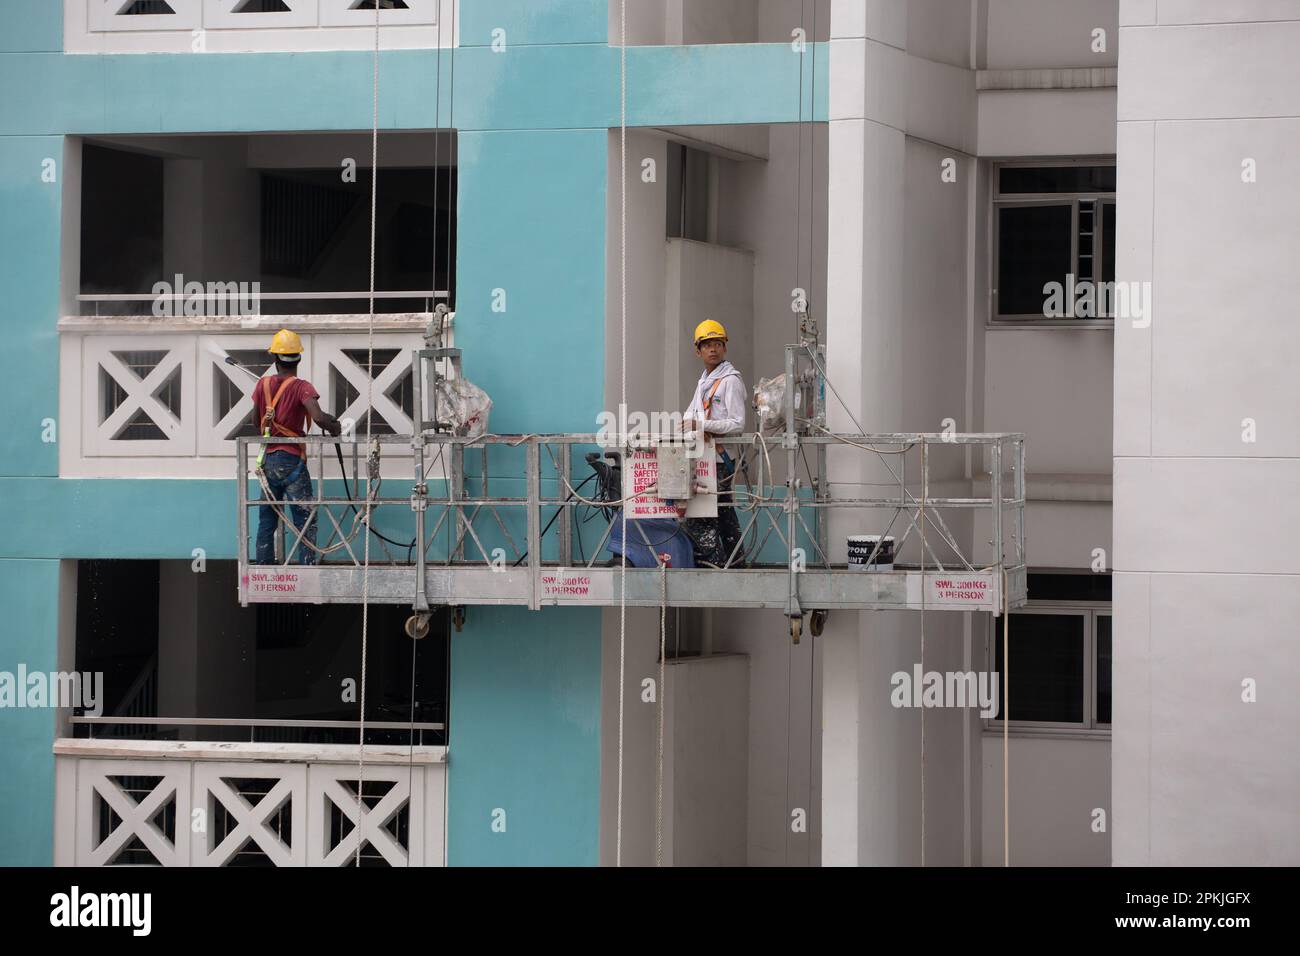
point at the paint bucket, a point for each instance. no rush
(860, 548)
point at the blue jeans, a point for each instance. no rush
(287, 477)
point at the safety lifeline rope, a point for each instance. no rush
(370, 388)
(622, 370)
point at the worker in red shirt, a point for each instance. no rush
(282, 403)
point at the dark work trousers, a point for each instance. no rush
(716, 538)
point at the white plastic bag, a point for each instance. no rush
(464, 406)
(769, 401)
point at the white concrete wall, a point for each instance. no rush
(784, 735)
(677, 22)
(646, 269)
(908, 333)
(778, 18)
(899, 307)
(940, 30)
(744, 279)
(705, 280)
(759, 205)
(1054, 385)
(1056, 785)
(712, 21)
(706, 751)
(1200, 776)
(706, 731)
(1026, 34)
(640, 733)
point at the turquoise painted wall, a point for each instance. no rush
(29, 595)
(525, 738)
(533, 121)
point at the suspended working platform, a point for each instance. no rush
(502, 520)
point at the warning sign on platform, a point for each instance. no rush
(641, 471)
(272, 583)
(561, 586)
(972, 590)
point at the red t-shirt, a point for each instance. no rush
(289, 410)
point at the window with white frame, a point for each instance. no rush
(1053, 242)
(1060, 647)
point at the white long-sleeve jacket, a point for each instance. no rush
(724, 412)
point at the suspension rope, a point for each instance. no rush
(622, 371)
(798, 190)
(798, 334)
(433, 304)
(661, 694)
(925, 489)
(370, 388)
(1006, 721)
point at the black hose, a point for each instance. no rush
(338, 450)
(523, 556)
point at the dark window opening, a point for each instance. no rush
(1056, 179)
(121, 226)
(315, 234)
(688, 193)
(281, 231)
(1103, 668)
(1048, 653)
(1034, 249)
(1055, 242)
(1046, 586)
(174, 643)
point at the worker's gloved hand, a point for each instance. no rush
(335, 428)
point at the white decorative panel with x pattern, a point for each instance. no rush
(388, 831)
(130, 812)
(224, 391)
(186, 811)
(360, 13)
(174, 26)
(339, 367)
(111, 16)
(169, 405)
(248, 810)
(134, 393)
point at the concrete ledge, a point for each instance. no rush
(1072, 79)
(222, 750)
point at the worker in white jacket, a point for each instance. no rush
(718, 408)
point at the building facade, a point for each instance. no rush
(924, 174)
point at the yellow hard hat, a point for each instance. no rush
(286, 343)
(709, 329)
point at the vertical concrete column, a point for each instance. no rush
(869, 757)
(178, 640)
(183, 219)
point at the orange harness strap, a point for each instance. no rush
(708, 402)
(268, 417)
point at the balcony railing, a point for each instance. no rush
(155, 397)
(192, 803)
(224, 26)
